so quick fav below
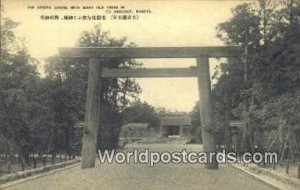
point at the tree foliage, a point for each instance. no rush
(71, 77)
(38, 114)
(141, 112)
(19, 81)
(268, 77)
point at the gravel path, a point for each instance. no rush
(141, 176)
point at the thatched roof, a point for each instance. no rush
(134, 126)
(178, 119)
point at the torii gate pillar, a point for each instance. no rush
(92, 113)
(205, 107)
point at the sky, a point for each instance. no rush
(170, 24)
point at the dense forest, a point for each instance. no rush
(38, 114)
(262, 89)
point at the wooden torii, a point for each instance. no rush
(97, 57)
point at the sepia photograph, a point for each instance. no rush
(150, 95)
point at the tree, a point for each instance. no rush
(269, 33)
(19, 79)
(116, 93)
(141, 112)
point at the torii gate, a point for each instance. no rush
(97, 56)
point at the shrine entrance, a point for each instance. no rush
(97, 57)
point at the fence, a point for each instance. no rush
(13, 163)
